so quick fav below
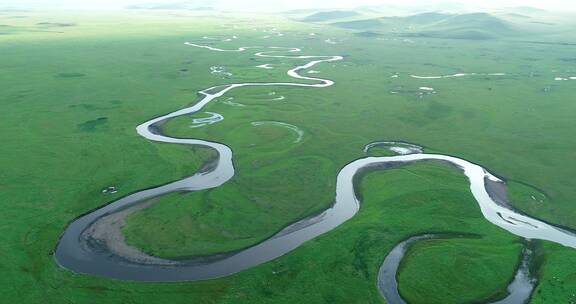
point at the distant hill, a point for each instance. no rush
(373, 23)
(479, 21)
(473, 26)
(408, 7)
(330, 15)
(526, 10)
(360, 24)
(515, 15)
(368, 34)
(423, 18)
(455, 34)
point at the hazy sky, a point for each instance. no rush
(282, 5)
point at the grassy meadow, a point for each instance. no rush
(73, 87)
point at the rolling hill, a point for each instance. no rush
(474, 21)
(364, 24)
(437, 25)
(330, 15)
(527, 10)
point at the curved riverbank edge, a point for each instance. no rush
(291, 237)
(519, 290)
(79, 250)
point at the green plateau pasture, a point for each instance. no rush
(72, 95)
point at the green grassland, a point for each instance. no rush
(72, 95)
(428, 265)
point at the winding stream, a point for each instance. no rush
(519, 290)
(458, 75)
(92, 243)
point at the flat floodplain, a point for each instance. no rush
(73, 94)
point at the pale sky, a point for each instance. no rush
(259, 5)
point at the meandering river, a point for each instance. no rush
(93, 243)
